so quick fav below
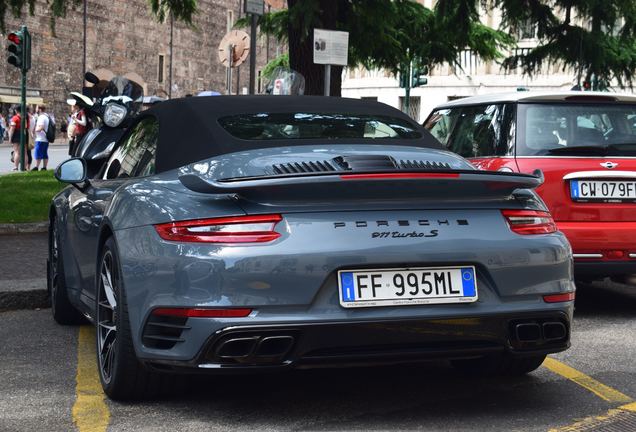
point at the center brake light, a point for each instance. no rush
(528, 222)
(235, 229)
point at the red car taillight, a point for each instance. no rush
(236, 229)
(558, 298)
(202, 312)
(526, 222)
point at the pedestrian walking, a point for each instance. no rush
(3, 127)
(79, 128)
(14, 137)
(41, 140)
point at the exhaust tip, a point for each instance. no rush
(553, 331)
(528, 332)
(274, 346)
(237, 348)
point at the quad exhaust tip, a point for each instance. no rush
(255, 348)
(549, 331)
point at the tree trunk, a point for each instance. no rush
(301, 50)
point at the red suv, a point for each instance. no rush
(585, 145)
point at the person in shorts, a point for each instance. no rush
(14, 137)
(41, 142)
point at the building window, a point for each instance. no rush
(160, 69)
(526, 30)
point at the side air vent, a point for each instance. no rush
(303, 167)
(427, 165)
(365, 162)
(164, 332)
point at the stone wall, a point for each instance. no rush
(123, 37)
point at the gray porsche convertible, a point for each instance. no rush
(232, 233)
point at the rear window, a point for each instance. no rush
(577, 129)
(277, 126)
(471, 131)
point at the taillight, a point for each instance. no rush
(236, 229)
(202, 312)
(526, 222)
(558, 298)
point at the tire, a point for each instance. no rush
(121, 374)
(63, 311)
(499, 364)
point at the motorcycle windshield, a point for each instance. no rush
(127, 91)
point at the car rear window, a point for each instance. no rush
(277, 126)
(577, 129)
(471, 131)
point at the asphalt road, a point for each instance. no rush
(58, 153)
(40, 360)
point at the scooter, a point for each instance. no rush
(113, 110)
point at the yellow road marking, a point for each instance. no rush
(601, 390)
(613, 416)
(90, 413)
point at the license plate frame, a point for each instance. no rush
(348, 288)
(607, 191)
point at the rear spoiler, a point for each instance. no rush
(385, 185)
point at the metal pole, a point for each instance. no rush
(407, 100)
(170, 71)
(23, 113)
(269, 9)
(253, 54)
(84, 48)
(230, 61)
(327, 80)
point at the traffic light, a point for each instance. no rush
(16, 49)
(19, 48)
(404, 79)
(418, 76)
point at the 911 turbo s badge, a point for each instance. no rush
(402, 224)
(609, 165)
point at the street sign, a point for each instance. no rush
(331, 47)
(255, 7)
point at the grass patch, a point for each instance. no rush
(26, 196)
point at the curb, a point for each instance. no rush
(36, 299)
(24, 294)
(24, 228)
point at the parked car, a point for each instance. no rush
(238, 233)
(585, 146)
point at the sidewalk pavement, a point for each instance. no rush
(24, 249)
(23, 271)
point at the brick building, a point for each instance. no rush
(123, 37)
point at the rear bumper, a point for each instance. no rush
(602, 248)
(333, 344)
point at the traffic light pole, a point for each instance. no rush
(26, 64)
(23, 122)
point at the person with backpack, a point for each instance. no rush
(44, 134)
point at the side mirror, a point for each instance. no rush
(71, 171)
(91, 78)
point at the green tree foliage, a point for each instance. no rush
(593, 38)
(382, 34)
(181, 10)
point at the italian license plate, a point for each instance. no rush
(407, 286)
(603, 190)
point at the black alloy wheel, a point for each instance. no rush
(122, 375)
(107, 316)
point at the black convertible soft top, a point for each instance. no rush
(189, 128)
